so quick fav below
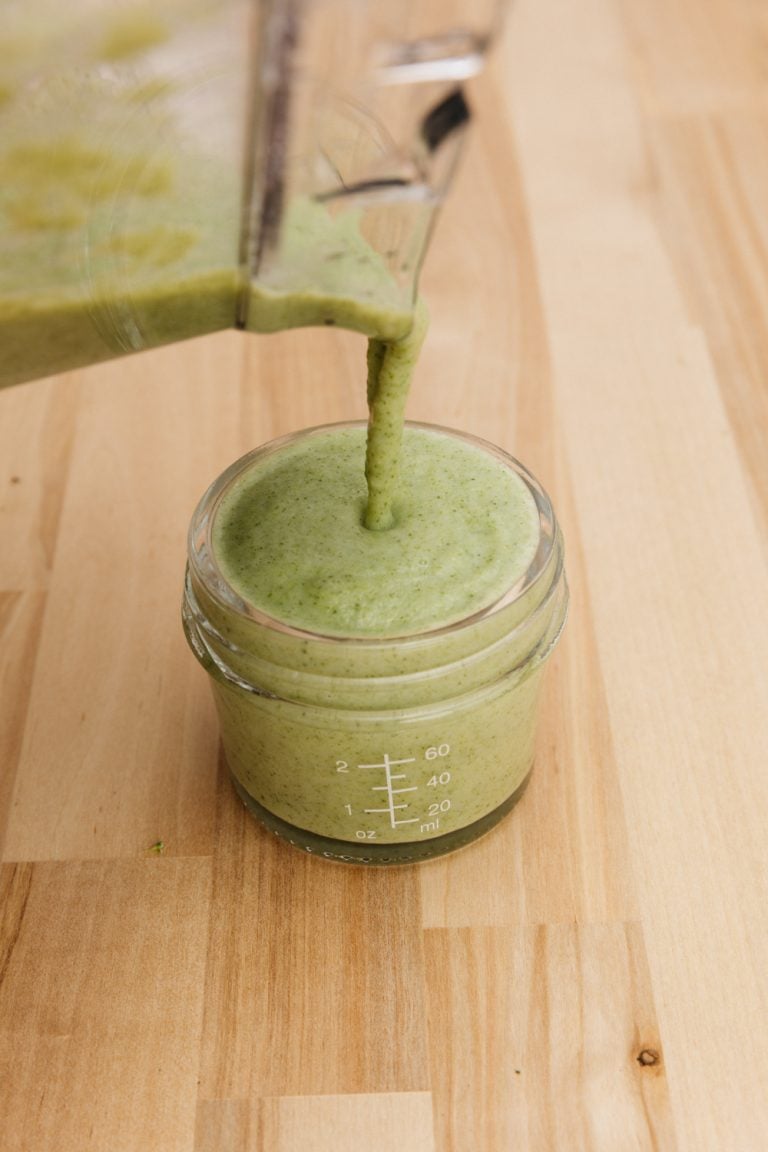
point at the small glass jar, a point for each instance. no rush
(377, 751)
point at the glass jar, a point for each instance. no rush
(377, 751)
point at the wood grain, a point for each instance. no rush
(591, 975)
(101, 1002)
(354, 1014)
(395, 1122)
(21, 618)
(545, 1037)
(138, 465)
(36, 433)
(695, 632)
(714, 172)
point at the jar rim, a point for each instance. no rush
(204, 566)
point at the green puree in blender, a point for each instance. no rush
(121, 200)
(81, 283)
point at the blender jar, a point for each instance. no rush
(172, 170)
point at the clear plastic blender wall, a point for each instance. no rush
(170, 170)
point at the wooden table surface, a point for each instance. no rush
(592, 975)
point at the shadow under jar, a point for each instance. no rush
(377, 751)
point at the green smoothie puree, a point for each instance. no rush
(290, 536)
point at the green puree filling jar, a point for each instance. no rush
(376, 691)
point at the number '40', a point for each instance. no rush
(443, 778)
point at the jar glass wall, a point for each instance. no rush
(377, 751)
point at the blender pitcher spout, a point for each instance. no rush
(356, 137)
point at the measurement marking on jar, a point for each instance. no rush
(392, 808)
(388, 761)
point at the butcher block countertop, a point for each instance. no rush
(593, 974)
